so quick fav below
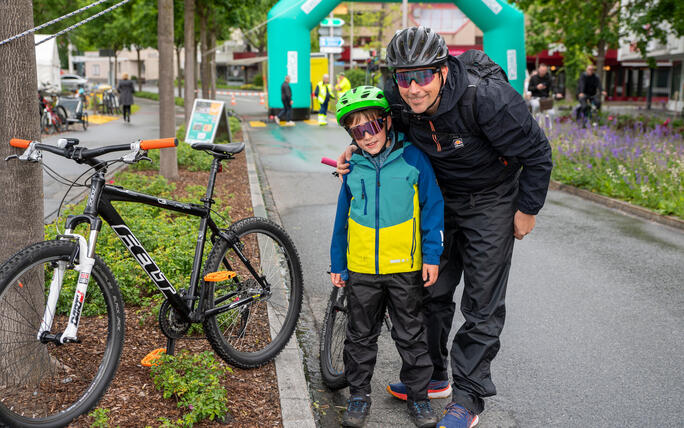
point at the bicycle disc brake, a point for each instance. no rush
(170, 323)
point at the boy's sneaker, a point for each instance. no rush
(456, 416)
(421, 413)
(358, 409)
(436, 389)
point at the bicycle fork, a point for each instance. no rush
(84, 269)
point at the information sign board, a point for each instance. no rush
(208, 121)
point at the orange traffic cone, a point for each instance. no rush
(232, 100)
(261, 98)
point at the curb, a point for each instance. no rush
(292, 387)
(619, 205)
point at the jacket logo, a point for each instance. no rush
(458, 143)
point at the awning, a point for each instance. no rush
(245, 61)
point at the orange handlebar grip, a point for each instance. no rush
(158, 144)
(18, 142)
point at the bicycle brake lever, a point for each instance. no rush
(11, 157)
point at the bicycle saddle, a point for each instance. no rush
(224, 149)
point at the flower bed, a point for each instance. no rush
(636, 164)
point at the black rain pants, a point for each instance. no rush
(368, 296)
(478, 244)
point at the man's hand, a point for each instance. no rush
(541, 86)
(336, 279)
(430, 273)
(343, 160)
(522, 224)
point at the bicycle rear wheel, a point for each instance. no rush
(45, 124)
(332, 340)
(261, 318)
(62, 121)
(45, 384)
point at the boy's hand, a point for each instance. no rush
(343, 160)
(430, 273)
(336, 279)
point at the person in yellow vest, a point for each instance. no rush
(324, 93)
(343, 85)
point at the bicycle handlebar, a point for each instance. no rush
(18, 142)
(329, 162)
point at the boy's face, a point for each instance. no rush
(371, 144)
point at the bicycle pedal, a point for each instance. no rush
(223, 275)
(152, 359)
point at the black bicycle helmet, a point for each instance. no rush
(415, 47)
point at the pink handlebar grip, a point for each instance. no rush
(329, 162)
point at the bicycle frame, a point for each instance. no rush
(99, 204)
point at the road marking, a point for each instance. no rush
(257, 124)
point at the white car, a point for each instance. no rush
(71, 82)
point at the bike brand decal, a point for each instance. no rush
(144, 259)
(91, 197)
(78, 305)
(83, 278)
(458, 143)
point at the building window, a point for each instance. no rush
(96, 69)
(676, 81)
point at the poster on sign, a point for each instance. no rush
(208, 122)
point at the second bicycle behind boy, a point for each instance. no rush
(386, 245)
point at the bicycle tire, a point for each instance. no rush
(62, 121)
(332, 341)
(45, 385)
(45, 125)
(253, 334)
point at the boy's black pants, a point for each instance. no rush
(478, 243)
(368, 296)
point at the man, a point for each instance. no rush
(286, 98)
(324, 93)
(588, 88)
(343, 85)
(540, 86)
(488, 201)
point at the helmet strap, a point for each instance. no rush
(441, 90)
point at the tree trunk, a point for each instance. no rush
(190, 58)
(205, 75)
(137, 50)
(21, 183)
(168, 164)
(180, 72)
(116, 69)
(212, 56)
(197, 66)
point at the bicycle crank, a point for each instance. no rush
(171, 323)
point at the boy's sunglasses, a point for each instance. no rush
(372, 127)
(421, 77)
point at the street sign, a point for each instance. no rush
(325, 31)
(334, 22)
(330, 42)
(333, 50)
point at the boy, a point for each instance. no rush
(386, 245)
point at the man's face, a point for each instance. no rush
(326, 79)
(542, 70)
(590, 70)
(419, 98)
(287, 79)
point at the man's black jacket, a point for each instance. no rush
(469, 160)
(589, 85)
(537, 79)
(285, 94)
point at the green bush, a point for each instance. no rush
(356, 76)
(100, 418)
(193, 381)
(258, 80)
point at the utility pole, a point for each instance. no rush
(331, 56)
(404, 13)
(351, 36)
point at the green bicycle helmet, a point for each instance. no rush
(361, 98)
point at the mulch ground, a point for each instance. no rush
(133, 401)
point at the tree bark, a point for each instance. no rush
(137, 50)
(21, 183)
(180, 72)
(168, 164)
(212, 57)
(190, 58)
(205, 75)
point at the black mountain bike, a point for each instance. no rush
(58, 355)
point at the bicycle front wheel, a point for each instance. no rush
(42, 383)
(260, 312)
(332, 340)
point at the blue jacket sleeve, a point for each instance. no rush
(431, 207)
(338, 246)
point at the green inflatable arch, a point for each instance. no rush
(289, 45)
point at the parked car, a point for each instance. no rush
(71, 82)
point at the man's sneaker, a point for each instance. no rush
(436, 389)
(456, 416)
(358, 409)
(421, 413)
(290, 123)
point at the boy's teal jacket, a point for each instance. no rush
(391, 219)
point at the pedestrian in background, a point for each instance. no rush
(286, 98)
(126, 91)
(324, 93)
(343, 85)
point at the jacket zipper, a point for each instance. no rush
(364, 197)
(377, 222)
(413, 241)
(434, 136)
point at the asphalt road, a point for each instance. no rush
(595, 302)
